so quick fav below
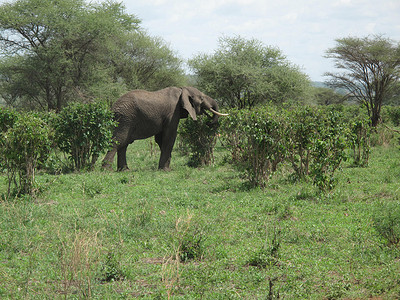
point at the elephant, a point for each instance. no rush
(142, 114)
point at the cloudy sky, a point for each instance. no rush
(302, 29)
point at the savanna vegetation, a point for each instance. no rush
(296, 194)
(206, 232)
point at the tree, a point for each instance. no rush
(54, 49)
(371, 70)
(327, 96)
(243, 73)
(146, 62)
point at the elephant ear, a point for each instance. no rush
(186, 103)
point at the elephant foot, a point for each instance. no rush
(123, 169)
(166, 169)
(106, 166)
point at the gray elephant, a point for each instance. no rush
(141, 114)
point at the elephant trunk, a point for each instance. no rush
(215, 115)
(212, 106)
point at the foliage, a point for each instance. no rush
(301, 136)
(110, 269)
(56, 48)
(7, 118)
(147, 62)
(23, 146)
(84, 131)
(255, 139)
(327, 96)
(243, 73)
(359, 135)
(316, 142)
(371, 70)
(328, 150)
(386, 221)
(391, 115)
(264, 148)
(66, 242)
(312, 140)
(199, 138)
(268, 255)
(60, 51)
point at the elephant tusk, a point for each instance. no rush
(218, 113)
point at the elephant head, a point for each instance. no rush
(197, 103)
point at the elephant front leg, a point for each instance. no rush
(166, 146)
(121, 159)
(164, 162)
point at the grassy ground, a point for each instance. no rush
(201, 233)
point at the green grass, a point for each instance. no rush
(111, 235)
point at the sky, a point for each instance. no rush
(302, 29)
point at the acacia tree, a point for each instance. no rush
(243, 73)
(57, 50)
(371, 70)
(146, 62)
(52, 49)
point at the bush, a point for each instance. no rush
(391, 115)
(265, 147)
(256, 141)
(386, 221)
(232, 135)
(192, 246)
(7, 118)
(268, 255)
(359, 136)
(198, 138)
(328, 150)
(303, 125)
(23, 146)
(312, 140)
(84, 131)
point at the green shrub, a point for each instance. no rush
(110, 269)
(84, 131)
(198, 138)
(22, 147)
(265, 147)
(328, 150)
(312, 140)
(268, 254)
(232, 135)
(7, 118)
(391, 115)
(303, 125)
(256, 141)
(192, 246)
(386, 221)
(316, 143)
(359, 135)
